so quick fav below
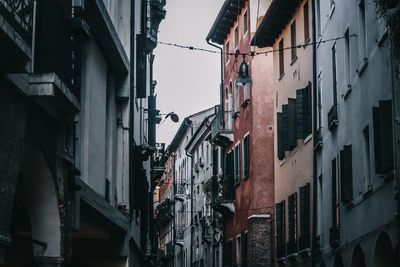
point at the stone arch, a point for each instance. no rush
(383, 252)
(338, 261)
(41, 201)
(358, 258)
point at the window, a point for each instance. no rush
(245, 21)
(347, 58)
(293, 40)
(227, 50)
(346, 174)
(236, 36)
(237, 164)
(292, 224)
(383, 137)
(292, 137)
(304, 238)
(334, 78)
(362, 31)
(246, 157)
(319, 101)
(334, 236)
(306, 23)
(280, 230)
(366, 159)
(238, 250)
(228, 253)
(282, 123)
(281, 59)
(318, 18)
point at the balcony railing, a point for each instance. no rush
(333, 118)
(220, 134)
(19, 14)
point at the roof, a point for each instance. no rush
(226, 18)
(276, 18)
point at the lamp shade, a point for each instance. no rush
(243, 77)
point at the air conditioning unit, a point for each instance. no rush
(246, 96)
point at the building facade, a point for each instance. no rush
(75, 132)
(289, 26)
(243, 129)
(355, 162)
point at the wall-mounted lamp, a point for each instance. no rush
(244, 77)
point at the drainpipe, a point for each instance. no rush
(131, 121)
(221, 87)
(314, 129)
(33, 36)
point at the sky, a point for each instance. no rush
(187, 81)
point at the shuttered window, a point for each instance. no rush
(303, 112)
(228, 253)
(304, 239)
(237, 164)
(292, 224)
(383, 137)
(283, 131)
(228, 188)
(281, 59)
(346, 174)
(293, 40)
(246, 157)
(334, 230)
(280, 230)
(292, 138)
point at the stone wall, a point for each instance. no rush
(259, 245)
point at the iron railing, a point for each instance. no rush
(19, 14)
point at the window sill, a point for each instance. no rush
(307, 43)
(307, 139)
(282, 161)
(362, 66)
(382, 37)
(347, 92)
(281, 76)
(293, 60)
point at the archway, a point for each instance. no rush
(358, 259)
(383, 254)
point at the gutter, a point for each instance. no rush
(221, 86)
(314, 126)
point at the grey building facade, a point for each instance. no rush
(355, 173)
(77, 131)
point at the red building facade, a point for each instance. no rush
(247, 202)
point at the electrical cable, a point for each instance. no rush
(252, 54)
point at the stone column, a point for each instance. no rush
(12, 133)
(259, 240)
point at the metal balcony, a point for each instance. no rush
(19, 14)
(333, 118)
(318, 139)
(220, 135)
(223, 196)
(180, 192)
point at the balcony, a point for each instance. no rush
(318, 139)
(165, 213)
(180, 192)
(180, 235)
(223, 195)
(16, 19)
(220, 135)
(333, 118)
(157, 14)
(291, 248)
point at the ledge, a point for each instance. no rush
(105, 33)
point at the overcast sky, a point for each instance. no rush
(187, 81)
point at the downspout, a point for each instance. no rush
(221, 87)
(131, 122)
(314, 126)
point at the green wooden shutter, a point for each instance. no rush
(304, 239)
(292, 136)
(281, 147)
(303, 112)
